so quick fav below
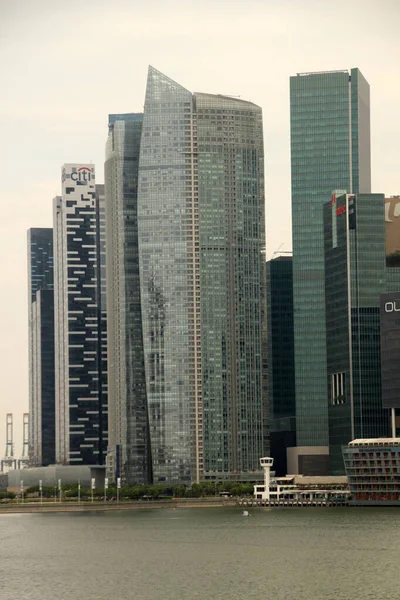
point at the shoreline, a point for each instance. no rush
(57, 507)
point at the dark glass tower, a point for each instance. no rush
(80, 319)
(355, 277)
(129, 454)
(281, 360)
(41, 347)
(330, 150)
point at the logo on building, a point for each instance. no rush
(392, 306)
(340, 210)
(82, 176)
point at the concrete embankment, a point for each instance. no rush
(55, 507)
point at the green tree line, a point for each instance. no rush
(137, 492)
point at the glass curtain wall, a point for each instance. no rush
(330, 150)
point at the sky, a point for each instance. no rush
(65, 66)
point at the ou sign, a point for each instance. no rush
(392, 306)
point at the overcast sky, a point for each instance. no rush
(65, 65)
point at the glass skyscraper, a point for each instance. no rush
(233, 335)
(356, 275)
(129, 453)
(41, 347)
(330, 150)
(201, 249)
(282, 398)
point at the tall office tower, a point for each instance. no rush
(233, 325)
(330, 150)
(80, 319)
(129, 442)
(200, 237)
(356, 275)
(281, 360)
(41, 347)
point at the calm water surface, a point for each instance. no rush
(276, 554)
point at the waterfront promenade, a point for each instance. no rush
(87, 506)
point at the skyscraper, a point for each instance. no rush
(80, 319)
(330, 150)
(129, 442)
(201, 251)
(355, 277)
(41, 347)
(281, 386)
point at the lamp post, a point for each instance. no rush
(22, 491)
(79, 491)
(59, 488)
(41, 491)
(105, 489)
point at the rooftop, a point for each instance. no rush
(375, 442)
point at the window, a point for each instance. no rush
(338, 388)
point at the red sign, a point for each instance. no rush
(340, 210)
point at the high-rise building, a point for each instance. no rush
(41, 347)
(129, 439)
(281, 360)
(80, 319)
(330, 150)
(356, 275)
(201, 252)
(390, 357)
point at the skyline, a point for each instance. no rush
(55, 110)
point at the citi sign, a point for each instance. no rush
(392, 306)
(82, 176)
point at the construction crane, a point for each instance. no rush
(279, 251)
(9, 462)
(23, 461)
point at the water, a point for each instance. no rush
(211, 553)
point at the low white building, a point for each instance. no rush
(298, 487)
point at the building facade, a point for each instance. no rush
(80, 319)
(281, 382)
(330, 150)
(390, 305)
(373, 471)
(129, 454)
(356, 276)
(390, 356)
(201, 251)
(41, 347)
